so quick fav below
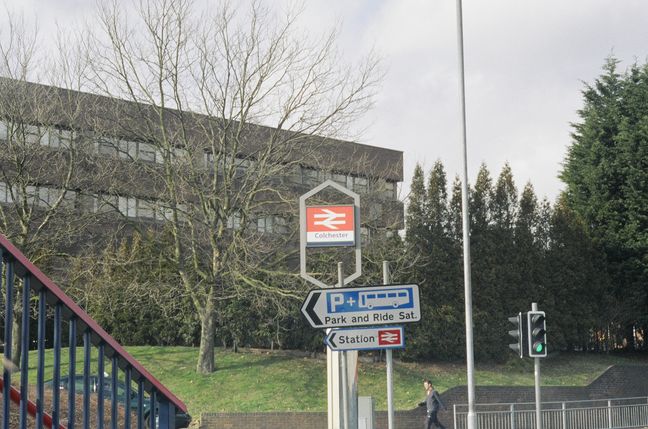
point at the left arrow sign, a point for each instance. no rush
(308, 309)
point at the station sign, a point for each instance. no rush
(330, 226)
(375, 338)
(362, 306)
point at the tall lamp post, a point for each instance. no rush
(470, 360)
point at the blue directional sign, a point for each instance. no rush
(371, 305)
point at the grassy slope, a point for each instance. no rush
(246, 382)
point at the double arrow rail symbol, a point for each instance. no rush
(329, 217)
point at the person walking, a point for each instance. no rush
(432, 403)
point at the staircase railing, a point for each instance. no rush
(29, 294)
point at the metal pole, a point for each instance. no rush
(390, 367)
(470, 360)
(345, 375)
(536, 373)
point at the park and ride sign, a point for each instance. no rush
(362, 306)
(328, 226)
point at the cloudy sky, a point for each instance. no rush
(526, 64)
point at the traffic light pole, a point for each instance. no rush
(536, 373)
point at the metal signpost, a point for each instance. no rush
(362, 306)
(328, 226)
(374, 338)
(389, 362)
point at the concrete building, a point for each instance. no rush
(76, 157)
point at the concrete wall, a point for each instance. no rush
(620, 381)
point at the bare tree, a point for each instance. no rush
(41, 158)
(200, 87)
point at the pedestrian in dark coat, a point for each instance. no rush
(432, 403)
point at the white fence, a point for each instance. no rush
(593, 414)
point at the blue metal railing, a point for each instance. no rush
(22, 283)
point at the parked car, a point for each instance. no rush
(182, 419)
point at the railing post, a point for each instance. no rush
(86, 378)
(40, 372)
(127, 399)
(100, 385)
(24, 358)
(72, 373)
(113, 390)
(609, 408)
(56, 379)
(512, 416)
(166, 411)
(454, 415)
(140, 404)
(9, 284)
(152, 418)
(564, 415)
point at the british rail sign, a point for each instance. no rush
(330, 226)
(362, 306)
(385, 337)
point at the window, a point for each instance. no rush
(339, 178)
(127, 206)
(280, 225)
(48, 196)
(234, 221)
(3, 130)
(264, 224)
(272, 223)
(360, 185)
(390, 190)
(105, 203)
(310, 176)
(243, 165)
(147, 152)
(180, 153)
(5, 193)
(146, 209)
(137, 208)
(364, 234)
(32, 134)
(106, 147)
(55, 138)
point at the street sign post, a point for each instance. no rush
(323, 227)
(384, 337)
(362, 306)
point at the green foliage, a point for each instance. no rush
(606, 172)
(522, 251)
(132, 292)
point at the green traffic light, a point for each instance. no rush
(539, 347)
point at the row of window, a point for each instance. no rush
(148, 152)
(131, 207)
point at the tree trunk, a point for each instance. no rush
(206, 359)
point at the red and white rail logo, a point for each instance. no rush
(330, 226)
(389, 337)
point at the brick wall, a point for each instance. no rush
(617, 382)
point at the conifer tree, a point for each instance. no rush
(607, 181)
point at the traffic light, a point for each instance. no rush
(517, 334)
(537, 332)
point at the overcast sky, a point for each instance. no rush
(525, 61)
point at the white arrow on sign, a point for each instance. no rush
(329, 219)
(363, 306)
(375, 338)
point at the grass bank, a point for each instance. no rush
(248, 382)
